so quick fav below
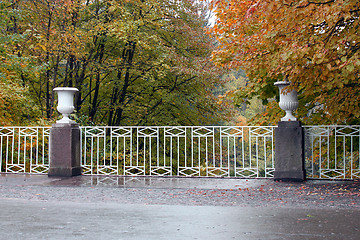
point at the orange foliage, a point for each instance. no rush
(313, 44)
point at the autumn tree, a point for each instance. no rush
(314, 44)
(159, 74)
(16, 105)
(135, 62)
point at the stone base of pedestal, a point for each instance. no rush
(64, 150)
(289, 152)
(289, 176)
(64, 172)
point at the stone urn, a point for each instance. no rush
(65, 102)
(288, 101)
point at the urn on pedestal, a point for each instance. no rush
(288, 101)
(289, 139)
(65, 138)
(65, 102)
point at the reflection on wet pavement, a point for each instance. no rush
(131, 182)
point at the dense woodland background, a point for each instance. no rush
(160, 62)
(134, 62)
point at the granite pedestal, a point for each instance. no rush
(64, 150)
(289, 152)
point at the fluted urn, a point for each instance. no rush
(65, 102)
(288, 101)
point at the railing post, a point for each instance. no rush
(65, 139)
(289, 152)
(289, 140)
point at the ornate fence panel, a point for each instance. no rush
(24, 149)
(178, 151)
(332, 152)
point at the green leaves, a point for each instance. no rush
(134, 62)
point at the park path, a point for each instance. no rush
(91, 207)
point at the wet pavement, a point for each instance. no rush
(127, 182)
(92, 207)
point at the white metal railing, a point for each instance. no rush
(178, 151)
(332, 152)
(24, 149)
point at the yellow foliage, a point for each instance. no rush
(314, 45)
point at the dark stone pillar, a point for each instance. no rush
(64, 150)
(289, 152)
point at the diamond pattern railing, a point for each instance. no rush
(24, 149)
(178, 151)
(332, 152)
